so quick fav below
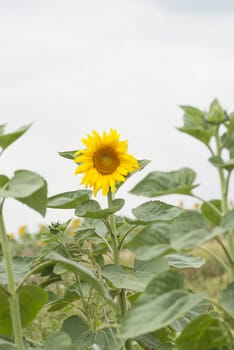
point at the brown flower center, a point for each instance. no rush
(106, 160)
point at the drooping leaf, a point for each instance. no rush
(153, 211)
(69, 296)
(159, 183)
(68, 200)
(138, 278)
(163, 302)
(7, 139)
(204, 332)
(92, 209)
(84, 273)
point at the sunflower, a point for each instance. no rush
(104, 162)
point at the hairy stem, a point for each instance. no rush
(13, 298)
(116, 258)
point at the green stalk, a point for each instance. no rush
(13, 298)
(116, 258)
(224, 185)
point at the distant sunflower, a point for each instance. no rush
(104, 162)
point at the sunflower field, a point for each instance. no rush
(160, 280)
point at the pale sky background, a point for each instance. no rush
(77, 65)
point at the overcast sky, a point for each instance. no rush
(73, 66)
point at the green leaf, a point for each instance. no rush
(28, 188)
(68, 200)
(106, 338)
(59, 341)
(37, 200)
(228, 220)
(21, 265)
(151, 242)
(193, 116)
(216, 113)
(189, 231)
(6, 345)
(68, 154)
(227, 299)
(204, 332)
(84, 273)
(92, 209)
(184, 261)
(195, 125)
(7, 139)
(195, 237)
(210, 213)
(163, 302)
(69, 296)
(3, 180)
(31, 298)
(159, 183)
(138, 278)
(201, 134)
(156, 211)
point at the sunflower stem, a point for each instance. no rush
(13, 296)
(116, 247)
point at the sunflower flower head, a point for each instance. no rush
(105, 161)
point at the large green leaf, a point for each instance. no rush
(28, 188)
(68, 200)
(59, 341)
(151, 242)
(84, 273)
(203, 333)
(194, 238)
(227, 299)
(7, 139)
(159, 183)
(153, 211)
(163, 302)
(137, 278)
(31, 298)
(92, 209)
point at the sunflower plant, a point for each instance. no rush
(122, 277)
(142, 302)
